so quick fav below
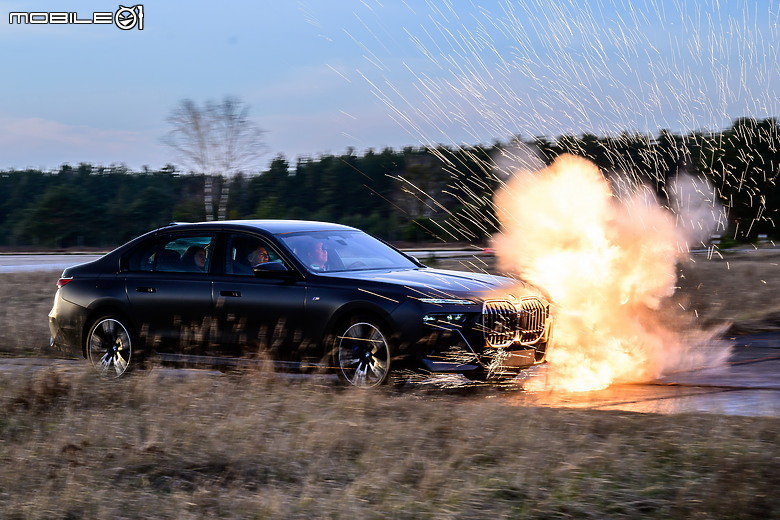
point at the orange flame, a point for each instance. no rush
(607, 262)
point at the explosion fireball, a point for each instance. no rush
(609, 262)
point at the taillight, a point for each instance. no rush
(64, 281)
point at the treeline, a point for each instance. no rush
(411, 194)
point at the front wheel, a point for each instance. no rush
(362, 354)
(110, 346)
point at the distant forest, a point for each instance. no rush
(413, 194)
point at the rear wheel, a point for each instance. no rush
(362, 353)
(110, 346)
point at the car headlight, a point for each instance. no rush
(447, 301)
(453, 318)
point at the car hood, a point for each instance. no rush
(440, 283)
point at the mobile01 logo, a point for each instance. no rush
(124, 18)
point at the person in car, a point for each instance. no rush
(258, 256)
(194, 259)
(316, 256)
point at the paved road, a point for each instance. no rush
(13, 263)
(20, 263)
(748, 386)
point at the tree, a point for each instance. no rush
(217, 139)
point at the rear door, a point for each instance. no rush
(170, 291)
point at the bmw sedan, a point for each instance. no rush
(294, 295)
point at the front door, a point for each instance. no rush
(259, 317)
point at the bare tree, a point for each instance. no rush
(217, 139)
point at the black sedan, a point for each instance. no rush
(298, 295)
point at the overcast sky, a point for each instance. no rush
(321, 76)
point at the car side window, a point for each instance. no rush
(176, 254)
(245, 252)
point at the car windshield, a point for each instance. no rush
(344, 251)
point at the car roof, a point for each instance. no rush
(275, 227)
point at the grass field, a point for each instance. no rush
(249, 445)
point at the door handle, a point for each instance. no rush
(146, 289)
(235, 294)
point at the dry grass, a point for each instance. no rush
(26, 301)
(251, 446)
(248, 446)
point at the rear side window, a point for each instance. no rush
(177, 254)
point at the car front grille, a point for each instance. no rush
(533, 317)
(505, 323)
(499, 321)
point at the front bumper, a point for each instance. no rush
(450, 350)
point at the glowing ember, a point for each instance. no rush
(609, 265)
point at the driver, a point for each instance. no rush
(258, 256)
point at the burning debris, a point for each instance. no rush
(609, 262)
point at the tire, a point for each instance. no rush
(109, 346)
(362, 353)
